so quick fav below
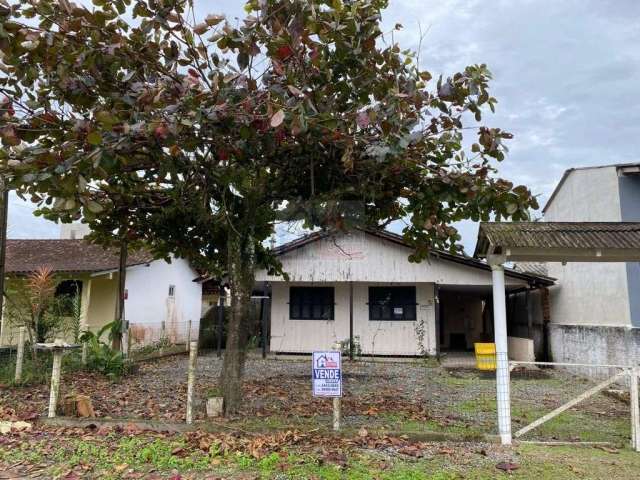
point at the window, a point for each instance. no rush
(68, 293)
(392, 303)
(172, 290)
(311, 303)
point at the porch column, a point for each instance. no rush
(502, 360)
(85, 298)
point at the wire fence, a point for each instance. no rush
(570, 402)
(142, 334)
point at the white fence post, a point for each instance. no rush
(191, 377)
(188, 336)
(503, 400)
(55, 378)
(20, 355)
(635, 411)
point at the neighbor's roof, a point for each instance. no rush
(624, 168)
(537, 268)
(68, 256)
(530, 277)
(561, 235)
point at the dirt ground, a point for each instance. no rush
(417, 396)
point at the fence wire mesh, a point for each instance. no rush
(586, 412)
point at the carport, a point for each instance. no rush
(500, 243)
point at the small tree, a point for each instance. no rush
(197, 138)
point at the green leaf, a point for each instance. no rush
(94, 207)
(212, 20)
(94, 138)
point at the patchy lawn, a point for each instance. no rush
(392, 398)
(130, 454)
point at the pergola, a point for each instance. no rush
(499, 243)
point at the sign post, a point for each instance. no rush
(326, 378)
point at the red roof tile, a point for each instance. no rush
(69, 256)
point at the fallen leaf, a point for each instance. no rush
(507, 466)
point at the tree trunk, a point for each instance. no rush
(241, 262)
(116, 342)
(4, 199)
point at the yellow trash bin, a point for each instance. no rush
(485, 356)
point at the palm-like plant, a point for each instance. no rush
(41, 290)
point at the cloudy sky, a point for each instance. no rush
(566, 74)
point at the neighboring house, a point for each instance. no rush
(595, 308)
(157, 292)
(397, 307)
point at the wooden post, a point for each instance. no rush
(351, 321)
(125, 339)
(220, 329)
(337, 401)
(188, 342)
(20, 355)
(55, 378)
(635, 409)
(337, 412)
(85, 349)
(191, 377)
(263, 326)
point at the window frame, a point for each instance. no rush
(297, 305)
(407, 316)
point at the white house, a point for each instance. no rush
(595, 307)
(160, 298)
(362, 284)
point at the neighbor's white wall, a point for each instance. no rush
(589, 293)
(148, 303)
(362, 257)
(380, 338)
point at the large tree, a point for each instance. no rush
(197, 137)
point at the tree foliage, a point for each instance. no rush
(195, 138)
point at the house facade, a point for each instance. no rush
(362, 284)
(595, 307)
(160, 297)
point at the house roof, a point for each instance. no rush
(537, 268)
(67, 256)
(530, 277)
(619, 236)
(624, 168)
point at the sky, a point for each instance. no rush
(566, 75)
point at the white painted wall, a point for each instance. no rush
(376, 337)
(366, 260)
(361, 257)
(148, 303)
(589, 293)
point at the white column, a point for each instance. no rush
(502, 359)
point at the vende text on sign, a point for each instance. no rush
(326, 375)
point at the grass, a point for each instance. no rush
(112, 457)
(38, 371)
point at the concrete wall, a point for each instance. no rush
(589, 293)
(102, 302)
(149, 304)
(594, 344)
(630, 210)
(376, 337)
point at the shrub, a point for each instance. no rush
(100, 356)
(357, 347)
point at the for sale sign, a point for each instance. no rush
(327, 374)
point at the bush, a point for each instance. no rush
(101, 357)
(357, 347)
